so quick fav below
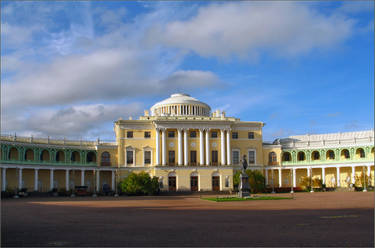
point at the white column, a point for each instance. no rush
(4, 179)
(294, 178)
(368, 171)
(179, 131)
(186, 162)
(20, 178)
(201, 147)
(113, 180)
(280, 182)
(67, 180)
(208, 147)
(97, 180)
(323, 175)
(222, 145)
(157, 151)
(82, 177)
(36, 179)
(163, 148)
(308, 172)
(266, 175)
(229, 160)
(338, 176)
(353, 174)
(51, 179)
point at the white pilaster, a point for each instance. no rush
(323, 175)
(82, 178)
(229, 160)
(51, 179)
(208, 147)
(186, 131)
(280, 182)
(157, 151)
(36, 179)
(163, 147)
(113, 180)
(338, 176)
(294, 178)
(4, 179)
(308, 172)
(266, 175)
(97, 180)
(368, 171)
(353, 175)
(179, 135)
(67, 180)
(20, 178)
(222, 146)
(201, 147)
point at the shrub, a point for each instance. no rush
(139, 184)
(256, 180)
(306, 183)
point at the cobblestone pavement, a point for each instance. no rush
(310, 219)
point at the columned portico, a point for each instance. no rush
(179, 131)
(157, 147)
(51, 179)
(229, 160)
(4, 179)
(36, 174)
(222, 146)
(186, 131)
(163, 147)
(208, 147)
(201, 147)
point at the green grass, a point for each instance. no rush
(226, 199)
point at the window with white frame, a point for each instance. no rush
(129, 157)
(251, 156)
(147, 157)
(236, 156)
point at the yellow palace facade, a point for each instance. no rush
(188, 148)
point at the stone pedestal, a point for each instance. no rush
(244, 189)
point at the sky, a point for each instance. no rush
(70, 69)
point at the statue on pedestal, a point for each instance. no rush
(244, 189)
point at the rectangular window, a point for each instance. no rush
(129, 157)
(170, 134)
(171, 158)
(147, 157)
(193, 157)
(251, 157)
(193, 134)
(236, 157)
(214, 157)
(251, 135)
(147, 135)
(234, 135)
(129, 134)
(214, 134)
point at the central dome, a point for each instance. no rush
(180, 104)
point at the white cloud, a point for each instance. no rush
(354, 7)
(246, 28)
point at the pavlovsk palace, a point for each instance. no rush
(189, 148)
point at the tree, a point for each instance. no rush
(139, 184)
(256, 180)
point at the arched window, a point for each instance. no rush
(272, 158)
(44, 156)
(301, 156)
(287, 156)
(29, 155)
(360, 153)
(345, 154)
(330, 155)
(13, 154)
(75, 157)
(315, 155)
(60, 156)
(105, 159)
(91, 157)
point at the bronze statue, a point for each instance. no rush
(244, 163)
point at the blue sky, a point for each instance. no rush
(72, 68)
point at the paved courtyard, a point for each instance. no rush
(317, 219)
